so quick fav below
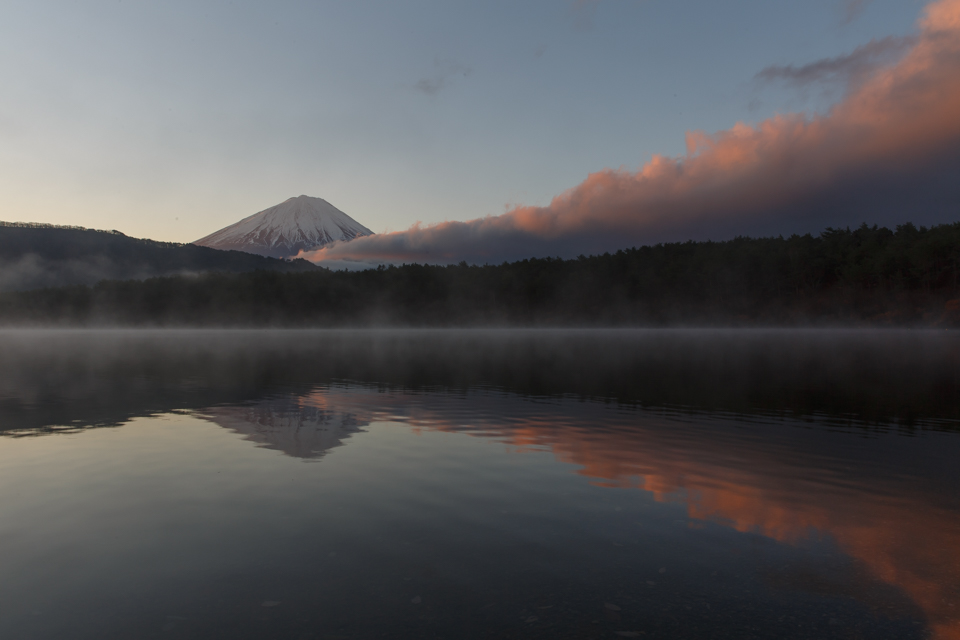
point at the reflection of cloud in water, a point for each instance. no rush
(287, 423)
(901, 535)
(777, 480)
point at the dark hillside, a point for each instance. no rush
(877, 276)
(35, 255)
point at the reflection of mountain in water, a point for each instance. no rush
(287, 424)
(779, 478)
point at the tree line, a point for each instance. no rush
(868, 275)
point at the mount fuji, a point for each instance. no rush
(282, 231)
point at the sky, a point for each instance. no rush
(171, 120)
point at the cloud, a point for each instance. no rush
(583, 11)
(845, 69)
(888, 152)
(443, 76)
(851, 9)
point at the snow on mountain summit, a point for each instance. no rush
(282, 231)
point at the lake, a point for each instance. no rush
(480, 484)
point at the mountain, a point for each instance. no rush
(283, 231)
(34, 256)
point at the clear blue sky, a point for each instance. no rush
(172, 119)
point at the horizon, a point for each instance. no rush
(814, 234)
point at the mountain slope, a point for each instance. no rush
(34, 256)
(284, 230)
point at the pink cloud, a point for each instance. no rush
(888, 152)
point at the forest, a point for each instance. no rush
(907, 276)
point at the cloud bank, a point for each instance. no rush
(888, 152)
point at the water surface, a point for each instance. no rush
(337, 484)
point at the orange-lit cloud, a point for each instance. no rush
(888, 152)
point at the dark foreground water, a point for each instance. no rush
(644, 484)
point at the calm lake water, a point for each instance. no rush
(479, 484)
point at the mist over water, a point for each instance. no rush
(582, 484)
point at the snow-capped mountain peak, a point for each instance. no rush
(284, 230)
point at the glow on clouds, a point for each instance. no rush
(888, 152)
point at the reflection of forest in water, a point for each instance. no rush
(794, 436)
(868, 379)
